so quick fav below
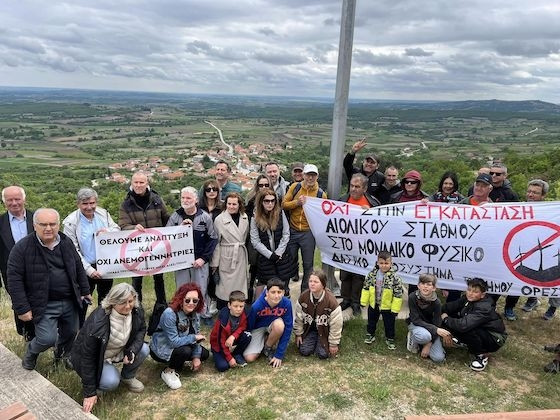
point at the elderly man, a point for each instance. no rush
(143, 208)
(279, 184)
(390, 186)
(15, 224)
(481, 189)
(351, 283)
(47, 283)
(205, 240)
(369, 167)
(501, 191)
(301, 237)
(82, 226)
(537, 189)
(223, 173)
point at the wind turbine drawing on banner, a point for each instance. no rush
(521, 254)
(540, 248)
(557, 255)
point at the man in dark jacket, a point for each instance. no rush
(391, 185)
(352, 283)
(473, 320)
(501, 191)
(47, 283)
(143, 208)
(369, 167)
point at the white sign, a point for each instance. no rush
(515, 247)
(134, 253)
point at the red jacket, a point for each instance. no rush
(222, 330)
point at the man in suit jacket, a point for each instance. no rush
(15, 224)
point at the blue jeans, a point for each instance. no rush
(240, 345)
(421, 336)
(58, 325)
(311, 344)
(304, 241)
(110, 375)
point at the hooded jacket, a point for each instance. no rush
(402, 197)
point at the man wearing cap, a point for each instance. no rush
(369, 167)
(297, 174)
(481, 191)
(279, 184)
(301, 236)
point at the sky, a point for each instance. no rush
(403, 49)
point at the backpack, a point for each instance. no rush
(298, 187)
(153, 322)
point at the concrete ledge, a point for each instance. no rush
(36, 393)
(516, 415)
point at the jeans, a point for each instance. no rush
(388, 321)
(159, 287)
(304, 241)
(421, 336)
(58, 325)
(240, 345)
(311, 344)
(110, 376)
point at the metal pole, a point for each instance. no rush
(340, 112)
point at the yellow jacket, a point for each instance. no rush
(391, 291)
(290, 204)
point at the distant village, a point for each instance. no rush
(245, 162)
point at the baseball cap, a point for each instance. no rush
(309, 168)
(297, 165)
(486, 178)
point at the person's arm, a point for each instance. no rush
(298, 320)
(416, 318)
(288, 319)
(348, 164)
(285, 235)
(215, 260)
(135, 342)
(125, 218)
(89, 358)
(256, 240)
(469, 321)
(16, 283)
(397, 294)
(335, 327)
(366, 289)
(69, 228)
(290, 202)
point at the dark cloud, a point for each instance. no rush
(384, 60)
(279, 58)
(417, 52)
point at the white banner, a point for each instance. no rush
(133, 253)
(515, 247)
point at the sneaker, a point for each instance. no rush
(369, 339)
(268, 352)
(212, 308)
(134, 385)
(411, 345)
(479, 363)
(552, 348)
(549, 314)
(531, 304)
(553, 367)
(171, 379)
(29, 360)
(509, 314)
(390, 343)
(356, 309)
(240, 360)
(345, 305)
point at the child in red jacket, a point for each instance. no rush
(229, 337)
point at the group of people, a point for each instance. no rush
(245, 251)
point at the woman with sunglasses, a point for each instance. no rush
(210, 198)
(261, 182)
(230, 255)
(177, 338)
(448, 189)
(411, 191)
(270, 234)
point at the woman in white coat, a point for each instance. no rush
(230, 257)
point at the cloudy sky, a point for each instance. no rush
(403, 49)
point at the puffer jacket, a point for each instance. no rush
(131, 214)
(391, 293)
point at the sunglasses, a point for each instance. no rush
(210, 189)
(267, 201)
(188, 300)
(496, 173)
(411, 182)
(264, 185)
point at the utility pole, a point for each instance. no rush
(340, 111)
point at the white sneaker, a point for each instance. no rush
(171, 379)
(213, 308)
(411, 346)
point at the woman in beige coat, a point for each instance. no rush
(230, 256)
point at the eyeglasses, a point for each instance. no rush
(496, 173)
(210, 189)
(46, 225)
(269, 201)
(410, 182)
(264, 185)
(189, 300)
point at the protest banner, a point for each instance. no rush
(515, 247)
(134, 253)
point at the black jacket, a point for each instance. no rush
(284, 268)
(7, 240)
(384, 195)
(375, 180)
(90, 345)
(131, 214)
(465, 316)
(428, 316)
(28, 275)
(503, 194)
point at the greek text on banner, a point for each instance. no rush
(515, 247)
(134, 253)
